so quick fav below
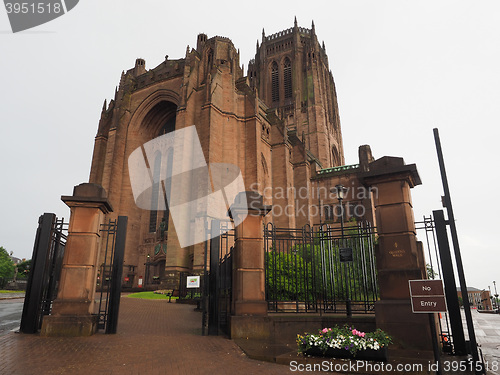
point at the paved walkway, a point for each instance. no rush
(154, 337)
(487, 328)
(157, 337)
(11, 295)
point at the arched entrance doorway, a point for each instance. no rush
(153, 223)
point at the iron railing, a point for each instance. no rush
(305, 271)
(434, 271)
(110, 274)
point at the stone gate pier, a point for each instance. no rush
(400, 257)
(73, 309)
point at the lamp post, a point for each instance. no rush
(496, 294)
(483, 305)
(491, 298)
(341, 190)
(146, 281)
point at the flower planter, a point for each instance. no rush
(365, 354)
(345, 343)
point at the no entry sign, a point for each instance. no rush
(427, 296)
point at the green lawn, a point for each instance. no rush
(149, 295)
(11, 291)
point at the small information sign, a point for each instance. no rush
(426, 288)
(193, 282)
(345, 254)
(427, 296)
(428, 304)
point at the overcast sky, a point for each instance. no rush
(401, 69)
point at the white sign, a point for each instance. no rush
(193, 282)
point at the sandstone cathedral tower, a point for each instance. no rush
(279, 124)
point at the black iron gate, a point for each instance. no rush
(217, 292)
(440, 266)
(434, 271)
(110, 272)
(325, 269)
(46, 264)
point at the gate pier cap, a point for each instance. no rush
(389, 168)
(251, 202)
(88, 193)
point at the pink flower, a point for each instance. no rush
(324, 330)
(355, 332)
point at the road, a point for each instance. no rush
(487, 329)
(10, 314)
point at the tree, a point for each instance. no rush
(431, 274)
(6, 267)
(312, 271)
(23, 269)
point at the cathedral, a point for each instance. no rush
(278, 122)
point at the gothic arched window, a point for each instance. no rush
(275, 84)
(155, 192)
(162, 170)
(335, 157)
(210, 60)
(167, 185)
(161, 188)
(287, 78)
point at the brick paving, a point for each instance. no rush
(157, 337)
(154, 337)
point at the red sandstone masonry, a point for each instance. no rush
(207, 88)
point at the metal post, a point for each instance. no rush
(435, 346)
(496, 294)
(204, 285)
(456, 247)
(146, 272)
(213, 314)
(116, 276)
(340, 196)
(491, 298)
(449, 284)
